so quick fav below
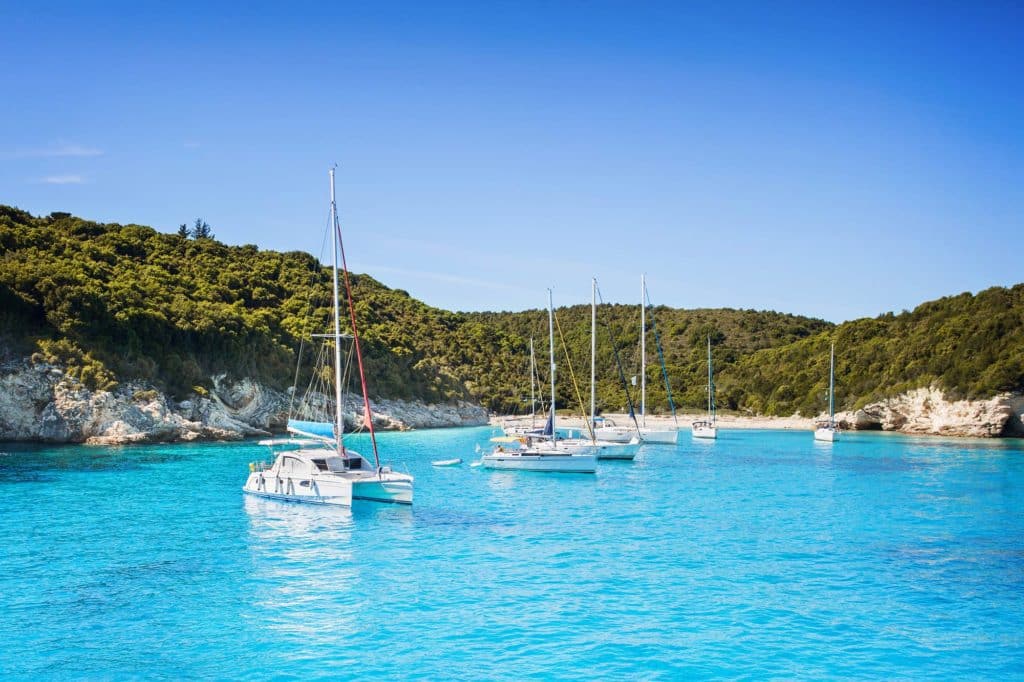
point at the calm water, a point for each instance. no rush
(760, 555)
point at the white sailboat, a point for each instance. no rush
(827, 430)
(550, 455)
(315, 466)
(616, 442)
(649, 434)
(516, 427)
(602, 429)
(708, 427)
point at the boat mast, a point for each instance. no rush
(643, 350)
(711, 398)
(593, 357)
(338, 421)
(367, 410)
(533, 393)
(551, 345)
(832, 387)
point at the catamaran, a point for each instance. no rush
(546, 455)
(650, 434)
(315, 465)
(708, 427)
(827, 430)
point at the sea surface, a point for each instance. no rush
(761, 555)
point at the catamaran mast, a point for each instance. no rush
(643, 350)
(367, 411)
(338, 422)
(593, 357)
(551, 344)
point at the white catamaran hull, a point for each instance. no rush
(394, 488)
(332, 490)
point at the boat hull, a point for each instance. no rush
(826, 435)
(614, 435)
(663, 436)
(563, 463)
(705, 432)
(332, 491)
(621, 451)
(396, 490)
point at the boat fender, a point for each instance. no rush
(252, 467)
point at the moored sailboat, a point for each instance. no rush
(708, 427)
(315, 465)
(551, 455)
(649, 434)
(827, 430)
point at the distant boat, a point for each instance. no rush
(605, 430)
(708, 427)
(549, 455)
(513, 427)
(648, 434)
(316, 466)
(827, 430)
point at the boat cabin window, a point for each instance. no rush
(291, 465)
(344, 463)
(321, 464)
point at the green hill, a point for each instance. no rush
(118, 302)
(971, 346)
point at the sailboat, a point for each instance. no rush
(515, 427)
(314, 465)
(708, 427)
(827, 430)
(649, 434)
(544, 455)
(616, 442)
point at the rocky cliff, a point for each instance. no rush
(927, 411)
(39, 402)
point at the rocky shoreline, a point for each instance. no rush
(39, 402)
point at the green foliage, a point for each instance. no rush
(125, 302)
(77, 363)
(969, 346)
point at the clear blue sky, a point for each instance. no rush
(827, 159)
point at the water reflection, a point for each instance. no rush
(307, 586)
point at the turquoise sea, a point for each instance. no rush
(760, 555)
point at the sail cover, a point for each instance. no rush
(323, 430)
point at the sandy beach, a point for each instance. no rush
(684, 420)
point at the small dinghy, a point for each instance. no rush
(447, 462)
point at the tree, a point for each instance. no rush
(183, 231)
(201, 230)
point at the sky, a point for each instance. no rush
(836, 160)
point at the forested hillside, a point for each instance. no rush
(118, 302)
(971, 346)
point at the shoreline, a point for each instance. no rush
(684, 420)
